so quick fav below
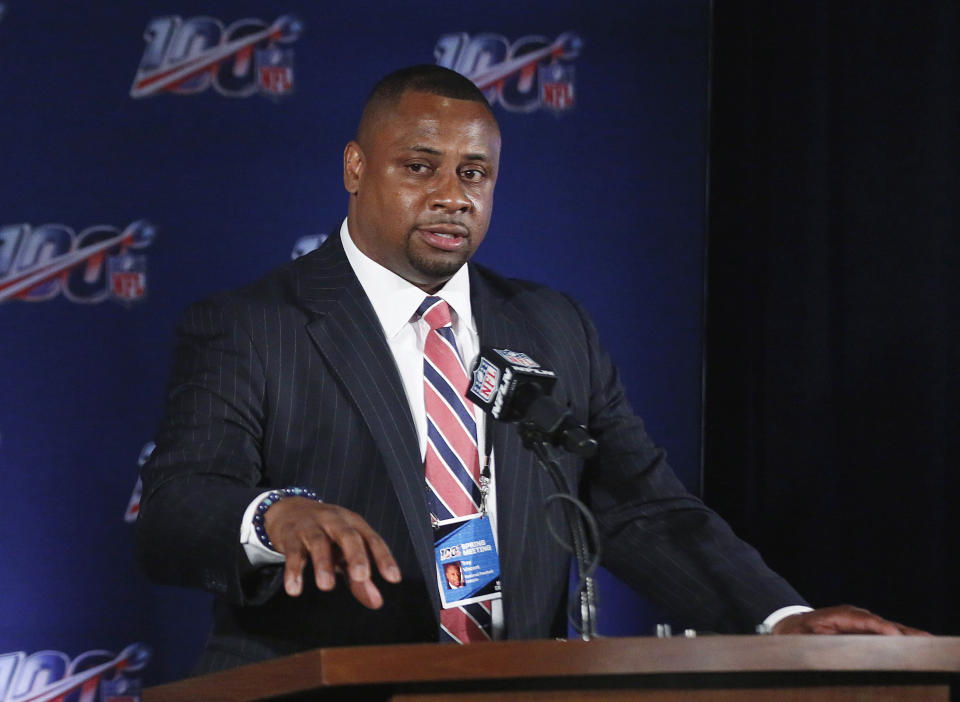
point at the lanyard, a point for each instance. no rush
(485, 465)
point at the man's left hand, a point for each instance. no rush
(843, 619)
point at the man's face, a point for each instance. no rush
(421, 186)
(453, 575)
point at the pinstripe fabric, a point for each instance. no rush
(289, 381)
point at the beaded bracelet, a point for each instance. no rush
(271, 499)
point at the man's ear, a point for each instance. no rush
(353, 161)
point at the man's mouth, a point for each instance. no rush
(446, 237)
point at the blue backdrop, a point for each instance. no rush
(156, 152)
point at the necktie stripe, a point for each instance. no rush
(446, 357)
(446, 334)
(436, 312)
(473, 620)
(452, 461)
(448, 486)
(447, 364)
(450, 636)
(440, 402)
(450, 395)
(446, 453)
(447, 637)
(454, 434)
(438, 506)
(477, 611)
(464, 628)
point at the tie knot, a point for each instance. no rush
(435, 312)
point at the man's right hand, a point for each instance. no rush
(334, 539)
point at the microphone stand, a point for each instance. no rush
(580, 522)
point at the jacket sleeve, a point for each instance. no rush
(207, 466)
(656, 536)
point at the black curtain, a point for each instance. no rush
(832, 364)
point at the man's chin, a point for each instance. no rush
(438, 269)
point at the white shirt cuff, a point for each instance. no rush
(257, 553)
(783, 613)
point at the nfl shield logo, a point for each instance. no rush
(518, 358)
(556, 87)
(275, 71)
(485, 380)
(128, 277)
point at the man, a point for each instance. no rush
(454, 575)
(313, 379)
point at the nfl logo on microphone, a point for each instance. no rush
(485, 380)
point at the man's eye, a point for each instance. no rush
(417, 167)
(471, 174)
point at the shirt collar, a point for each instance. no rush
(396, 300)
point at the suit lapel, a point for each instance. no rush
(348, 335)
(518, 478)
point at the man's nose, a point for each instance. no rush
(450, 194)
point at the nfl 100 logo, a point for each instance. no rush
(525, 75)
(39, 263)
(186, 56)
(485, 379)
(450, 552)
(51, 676)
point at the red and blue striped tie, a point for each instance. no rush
(452, 462)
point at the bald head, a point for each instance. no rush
(426, 78)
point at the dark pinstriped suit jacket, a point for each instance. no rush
(290, 382)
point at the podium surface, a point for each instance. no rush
(789, 668)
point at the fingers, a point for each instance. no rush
(332, 538)
(321, 553)
(381, 554)
(353, 551)
(366, 593)
(866, 623)
(910, 631)
(356, 565)
(846, 619)
(843, 619)
(293, 571)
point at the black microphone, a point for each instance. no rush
(512, 387)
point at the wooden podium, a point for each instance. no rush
(714, 668)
